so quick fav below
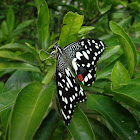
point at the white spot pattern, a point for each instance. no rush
(74, 65)
(60, 92)
(89, 76)
(88, 65)
(69, 81)
(78, 55)
(101, 43)
(86, 79)
(85, 55)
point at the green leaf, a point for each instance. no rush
(125, 22)
(79, 127)
(90, 5)
(109, 52)
(18, 65)
(10, 19)
(22, 25)
(85, 29)
(135, 81)
(1, 87)
(71, 25)
(18, 80)
(101, 132)
(59, 132)
(31, 105)
(134, 5)
(127, 45)
(136, 114)
(20, 47)
(43, 22)
(43, 55)
(7, 99)
(136, 40)
(25, 57)
(129, 94)
(49, 74)
(4, 28)
(28, 57)
(95, 4)
(106, 72)
(33, 51)
(48, 126)
(10, 55)
(14, 47)
(4, 116)
(119, 75)
(104, 10)
(122, 122)
(1, 36)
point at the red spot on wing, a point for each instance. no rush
(80, 77)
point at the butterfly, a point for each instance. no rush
(76, 62)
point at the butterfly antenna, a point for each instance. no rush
(45, 51)
(48, 58)
(51, 55)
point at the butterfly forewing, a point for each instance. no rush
(83, 56)
(69, 91)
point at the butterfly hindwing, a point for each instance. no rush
(69, 91)
(84, 55)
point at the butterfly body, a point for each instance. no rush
(81, 57)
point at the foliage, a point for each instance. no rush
(9, 30)
(28, 100)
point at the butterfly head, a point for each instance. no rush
(56, 49)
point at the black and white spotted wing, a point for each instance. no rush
(82, 57)
(69, 91)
